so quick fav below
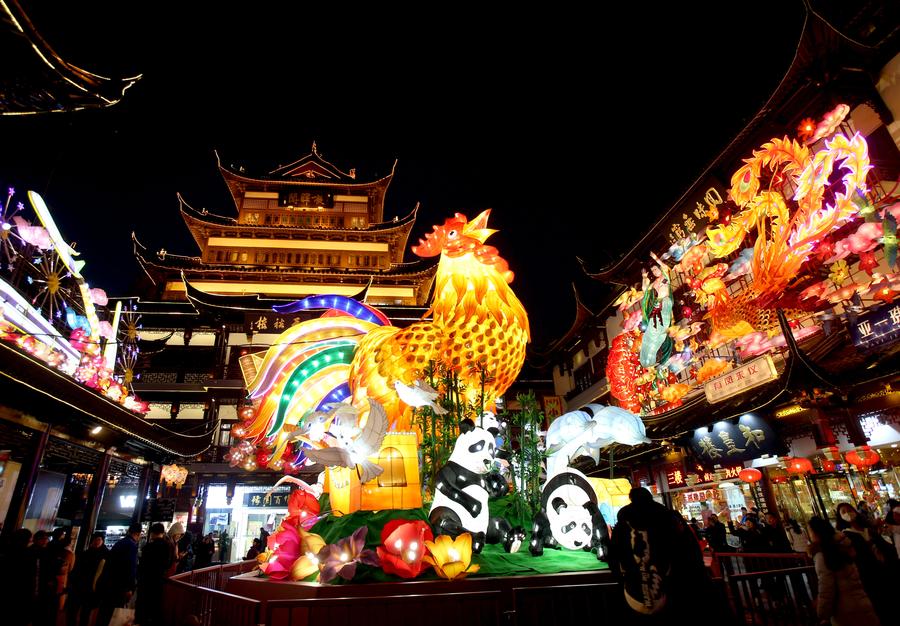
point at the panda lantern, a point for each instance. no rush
(569, 517)
(463, 488)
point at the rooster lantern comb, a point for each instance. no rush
(458, 236)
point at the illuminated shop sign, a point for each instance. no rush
(729, 444)
(749, 375)
(876, 328)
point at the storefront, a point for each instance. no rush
(819, 491)
(235, 522)
(723, 498)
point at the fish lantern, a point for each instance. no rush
(798, 465)
(750, 475)
(863, 456)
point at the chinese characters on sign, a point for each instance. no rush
(730, 444)
(876, 328)
(753, 374)
(273, 500)
(266, 322)
(696, 213)
(719, 475)
(700, 496)
(675, 475)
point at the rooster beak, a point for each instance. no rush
(477, 228)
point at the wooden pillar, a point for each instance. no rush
(22, 496)
(95, 497)
(143, 487)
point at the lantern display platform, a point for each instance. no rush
(493, 560)
(252, 585)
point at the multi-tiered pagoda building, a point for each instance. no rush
(303, 229)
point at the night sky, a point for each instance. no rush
(578, 129)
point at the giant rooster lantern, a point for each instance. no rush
(317, 385)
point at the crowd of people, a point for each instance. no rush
(658, 557)
(50, 583)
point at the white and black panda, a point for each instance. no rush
(569, 517)
(462, 491)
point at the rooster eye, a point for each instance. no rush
(451, 234)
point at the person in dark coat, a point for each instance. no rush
(253, 552)
(18, 577)
(204, 551)
(752, 539)
(642, 549)
(156, 560)
(83, 598)
(53, 573)
(775, 535)
(185, 547)
(119, 578)
(715, 535)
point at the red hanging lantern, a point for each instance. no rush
(863, 456)
(798, 465)
(750, 474)
(827, 466)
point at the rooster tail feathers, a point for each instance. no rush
(340, 304)
(306, 368)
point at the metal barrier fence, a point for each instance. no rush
(769, 589)
(762, 589)
(189, 605)
(215, 576)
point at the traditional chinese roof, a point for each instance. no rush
(228, 302)
(583, 315)
(310, 171)
(163, 268)
(313, 167)
(177, 262)
(33, 387)
(235, 306)
(202, 223)
(826, 62)
(36, 79)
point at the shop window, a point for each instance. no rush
(243, 257)
(268, 218)
(219, 255)
(290, 257)
(233, 257)
(394, 474)
(225, 434)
